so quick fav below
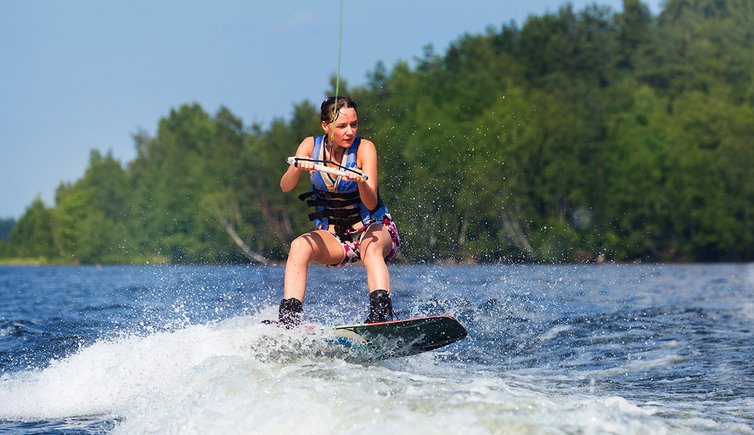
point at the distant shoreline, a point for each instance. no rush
(26, 262)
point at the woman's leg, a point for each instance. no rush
(317, 246)
(376, 244)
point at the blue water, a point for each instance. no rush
(551, 349)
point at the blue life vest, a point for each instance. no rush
(336, 201)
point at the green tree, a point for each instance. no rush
(6, 227)
(584, 132)
(90, 217)
(639, 202)
(32, 235)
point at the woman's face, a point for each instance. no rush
(343, 130)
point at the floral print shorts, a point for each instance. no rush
(351, 243)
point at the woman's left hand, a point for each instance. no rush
(352, 176)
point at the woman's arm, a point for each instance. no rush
(293, 174)
(366, 159)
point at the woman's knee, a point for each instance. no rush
(301, 248)
(373, 250)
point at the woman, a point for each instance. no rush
(352, 223)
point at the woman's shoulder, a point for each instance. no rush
(309, 140)
(366, 153)
(306, 146)
(366, 144)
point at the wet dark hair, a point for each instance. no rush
(327, 112)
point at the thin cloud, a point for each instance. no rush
(299, 20)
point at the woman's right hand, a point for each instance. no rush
(293, 173)
(303, 165)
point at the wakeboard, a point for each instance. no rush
(400, 337)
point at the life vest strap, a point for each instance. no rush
(329, 195)
(340, 224)
(332, 203)
(341, 209)
(336, 214)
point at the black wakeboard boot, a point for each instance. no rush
(290, 312)
(380, 307)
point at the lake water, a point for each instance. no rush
(645, 349)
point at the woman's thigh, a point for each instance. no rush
(319, 246)
(376, 240)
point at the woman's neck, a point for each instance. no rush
(334, 151)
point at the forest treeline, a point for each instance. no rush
(582, 134)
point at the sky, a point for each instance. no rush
(88, 74)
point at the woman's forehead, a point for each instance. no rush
(347, 115)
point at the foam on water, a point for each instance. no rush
(238, 376)
(550, 350)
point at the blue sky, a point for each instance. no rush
(87, 74)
